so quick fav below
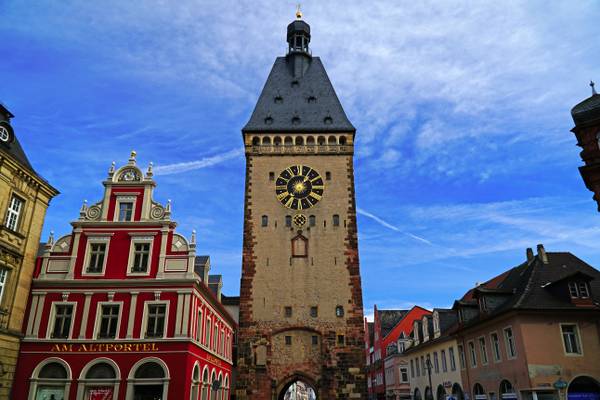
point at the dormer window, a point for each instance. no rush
(579, 290)
(125, 211)
(483, 304)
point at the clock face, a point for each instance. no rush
(5, 132)
(299, 187)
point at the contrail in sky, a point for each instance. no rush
(392, 227)
(177, 168)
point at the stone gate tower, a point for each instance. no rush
(301, 312)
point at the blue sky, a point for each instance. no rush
(463, 158)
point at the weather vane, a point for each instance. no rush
(298, 12)
(593, 85)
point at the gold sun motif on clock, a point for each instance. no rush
(299, 187)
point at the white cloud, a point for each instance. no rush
(205, 162)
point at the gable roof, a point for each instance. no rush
(286, 97)
(388, 320)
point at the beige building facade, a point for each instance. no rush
(24, 198)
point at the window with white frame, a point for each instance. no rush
(125, 211)
(418, 367)
(199, 326)
(579, 290)
(403, 375)
(412, 368)
(511, 351)
(3, 282)
(483, 350)
(207, 333)
(496, 346)
(215, 337)
(436, 362)
(452, 359)
(63, 319)
(155, 320)
(461, 356)
(109, 321)
(571, 341)
(444, 362)
(472, 354)
(140, 255)
(13, 213)
(96, 257)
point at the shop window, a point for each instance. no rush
(155, 323)
(195, 383)
(205, 384)
(51, 382)
(63, 318)
(99, 382)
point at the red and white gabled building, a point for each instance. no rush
(122, 308)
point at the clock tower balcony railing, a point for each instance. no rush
(301, 149)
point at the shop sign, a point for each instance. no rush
(105, 393)
(103, 347)
(213, 360)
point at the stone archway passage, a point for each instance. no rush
(298, 390)
(583, 388)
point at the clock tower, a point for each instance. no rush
(301, 312)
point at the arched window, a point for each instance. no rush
(457, 392)
(266, 140)
(321, 140)
(312, 220)
(336, 220)
(479, 392)
(264, 221)
(310, 141)
(299, 141)
(441, 393)
(205, 384)
(100, 380)
(506, 390)
(417, 395)
(226, 388)
(277, 141)
(288, 141)
(255, 141)
(148, 378)
(342, 140)
(331, 140)
(52, 380)
(214, 392)
(195, 383)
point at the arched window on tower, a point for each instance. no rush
(255, 141)
(299, 246)
(288, 141)
(277, 141)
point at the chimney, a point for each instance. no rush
(529, 253)
(542, 254)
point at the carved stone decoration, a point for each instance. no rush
(94, 212)
(62, 245)
(129, 175)
(157, 212)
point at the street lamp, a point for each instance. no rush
(428, 366)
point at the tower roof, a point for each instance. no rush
(13, 147)
(588, 110)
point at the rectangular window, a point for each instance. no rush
(418, 367)
(315, 340)
(125, 211)
(199, 326)
(207, 333)
(436, 362)
(423, 365)
(461, 356)
(288, 340)
(3, 276)
(496, 346)
(314, 312)
(483, 349)
(403, 375)
(511, 351)
(156, 320)
(97, 254)
(444, 362)
(141, 255)
(472, 354)
(13, 213)
(412, 368)
(571, 339)
(215, 337)
(341, 340)
(109, 318)
(452, 360)
(583, 290)
(63, 316)
(288, 311)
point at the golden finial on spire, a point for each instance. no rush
(133, 153)
(298, 12)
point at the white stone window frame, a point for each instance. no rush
(92, 239)
(138, 239)
(5, 272)
(483, 353)
(507, 345)
(125, 198)
(17, 214)
(98, 321)
(499, 358)
(207, 331)
(52, 319)
(199, 325)
(85, 383)
(144, 326)
(132, 381)
(36, 381)
(578, 337)
(472, 349)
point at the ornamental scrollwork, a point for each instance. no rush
(93, 213)
(157, 212)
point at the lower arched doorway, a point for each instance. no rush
(441, 393)
(583, 388)
(298, 390)
(457, 392)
